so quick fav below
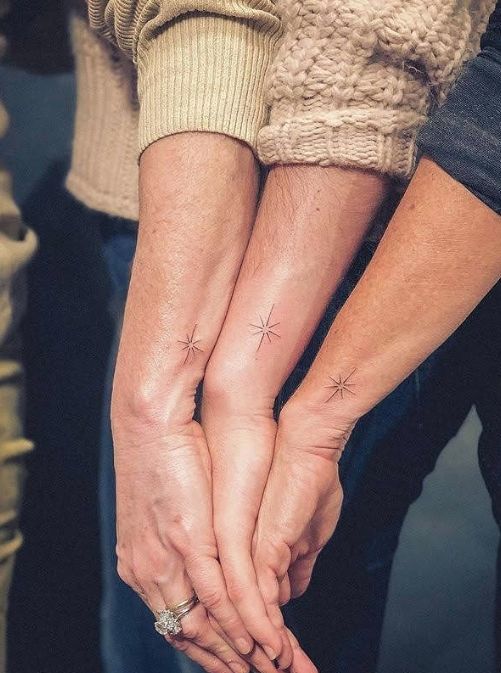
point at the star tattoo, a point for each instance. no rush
(266, 329)
(190, 346)
(340, 386)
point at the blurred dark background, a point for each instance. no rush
(440, 613)
(53, 621)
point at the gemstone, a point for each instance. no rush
(168, 623)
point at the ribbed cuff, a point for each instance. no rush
(360, 139)
(204, 73)
(104, 173)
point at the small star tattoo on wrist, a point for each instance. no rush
(340, 386)
(265, 330)
(190, 346)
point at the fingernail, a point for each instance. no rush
(270, 652)
(244, 646)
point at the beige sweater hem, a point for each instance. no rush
(204, 73)
(367, 140)
(104, 173)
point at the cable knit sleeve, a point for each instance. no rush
(353, 80)
(200, 63)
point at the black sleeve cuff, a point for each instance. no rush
(464, 136)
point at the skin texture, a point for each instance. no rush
(440, 255)
(310, 223)
(197, 205)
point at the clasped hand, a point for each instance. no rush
(236, 508)
(240, 524)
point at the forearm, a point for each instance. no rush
(440, 255)
(311, 222)
(197, 201)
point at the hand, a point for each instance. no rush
(243, 443)
(242, 440)
(377, 339)
(166, 548)
(301, 503)
(309, 225)
(174, 312)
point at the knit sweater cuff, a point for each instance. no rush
(204, 73)
(365, 139)
(104, 173)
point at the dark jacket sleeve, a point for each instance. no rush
(464, 135)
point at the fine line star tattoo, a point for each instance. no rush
(265, 330)
(190, 346)
(340, 386)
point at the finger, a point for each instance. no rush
(285, 658)
(244, 592)
(284, 590)
(235, 523)
(270, 590)
(208, 661)
(301, 662)
(257, 658)
(241, 457)
(150, 593)
(196, 627)
(300, 574)
(208, 581)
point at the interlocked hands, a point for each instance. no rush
(234, 508)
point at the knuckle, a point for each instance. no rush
(179, 644)
(142, 574)
(213, 665)
(236, 591)
(157, 569)
(273, 557)
(194, 629)
(125, 573)
(212, 598)
(143, 579)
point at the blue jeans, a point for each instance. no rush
(391, 451)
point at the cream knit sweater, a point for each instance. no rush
(346, 82)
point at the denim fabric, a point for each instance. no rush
(492, 36)
(464, 135)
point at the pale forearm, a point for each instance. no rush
(310, 224)
(440, 255)
(197, 196)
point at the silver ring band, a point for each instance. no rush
(169, 619)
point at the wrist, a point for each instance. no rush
(146, 410)
(310, 426)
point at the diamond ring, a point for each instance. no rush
(169, 619)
